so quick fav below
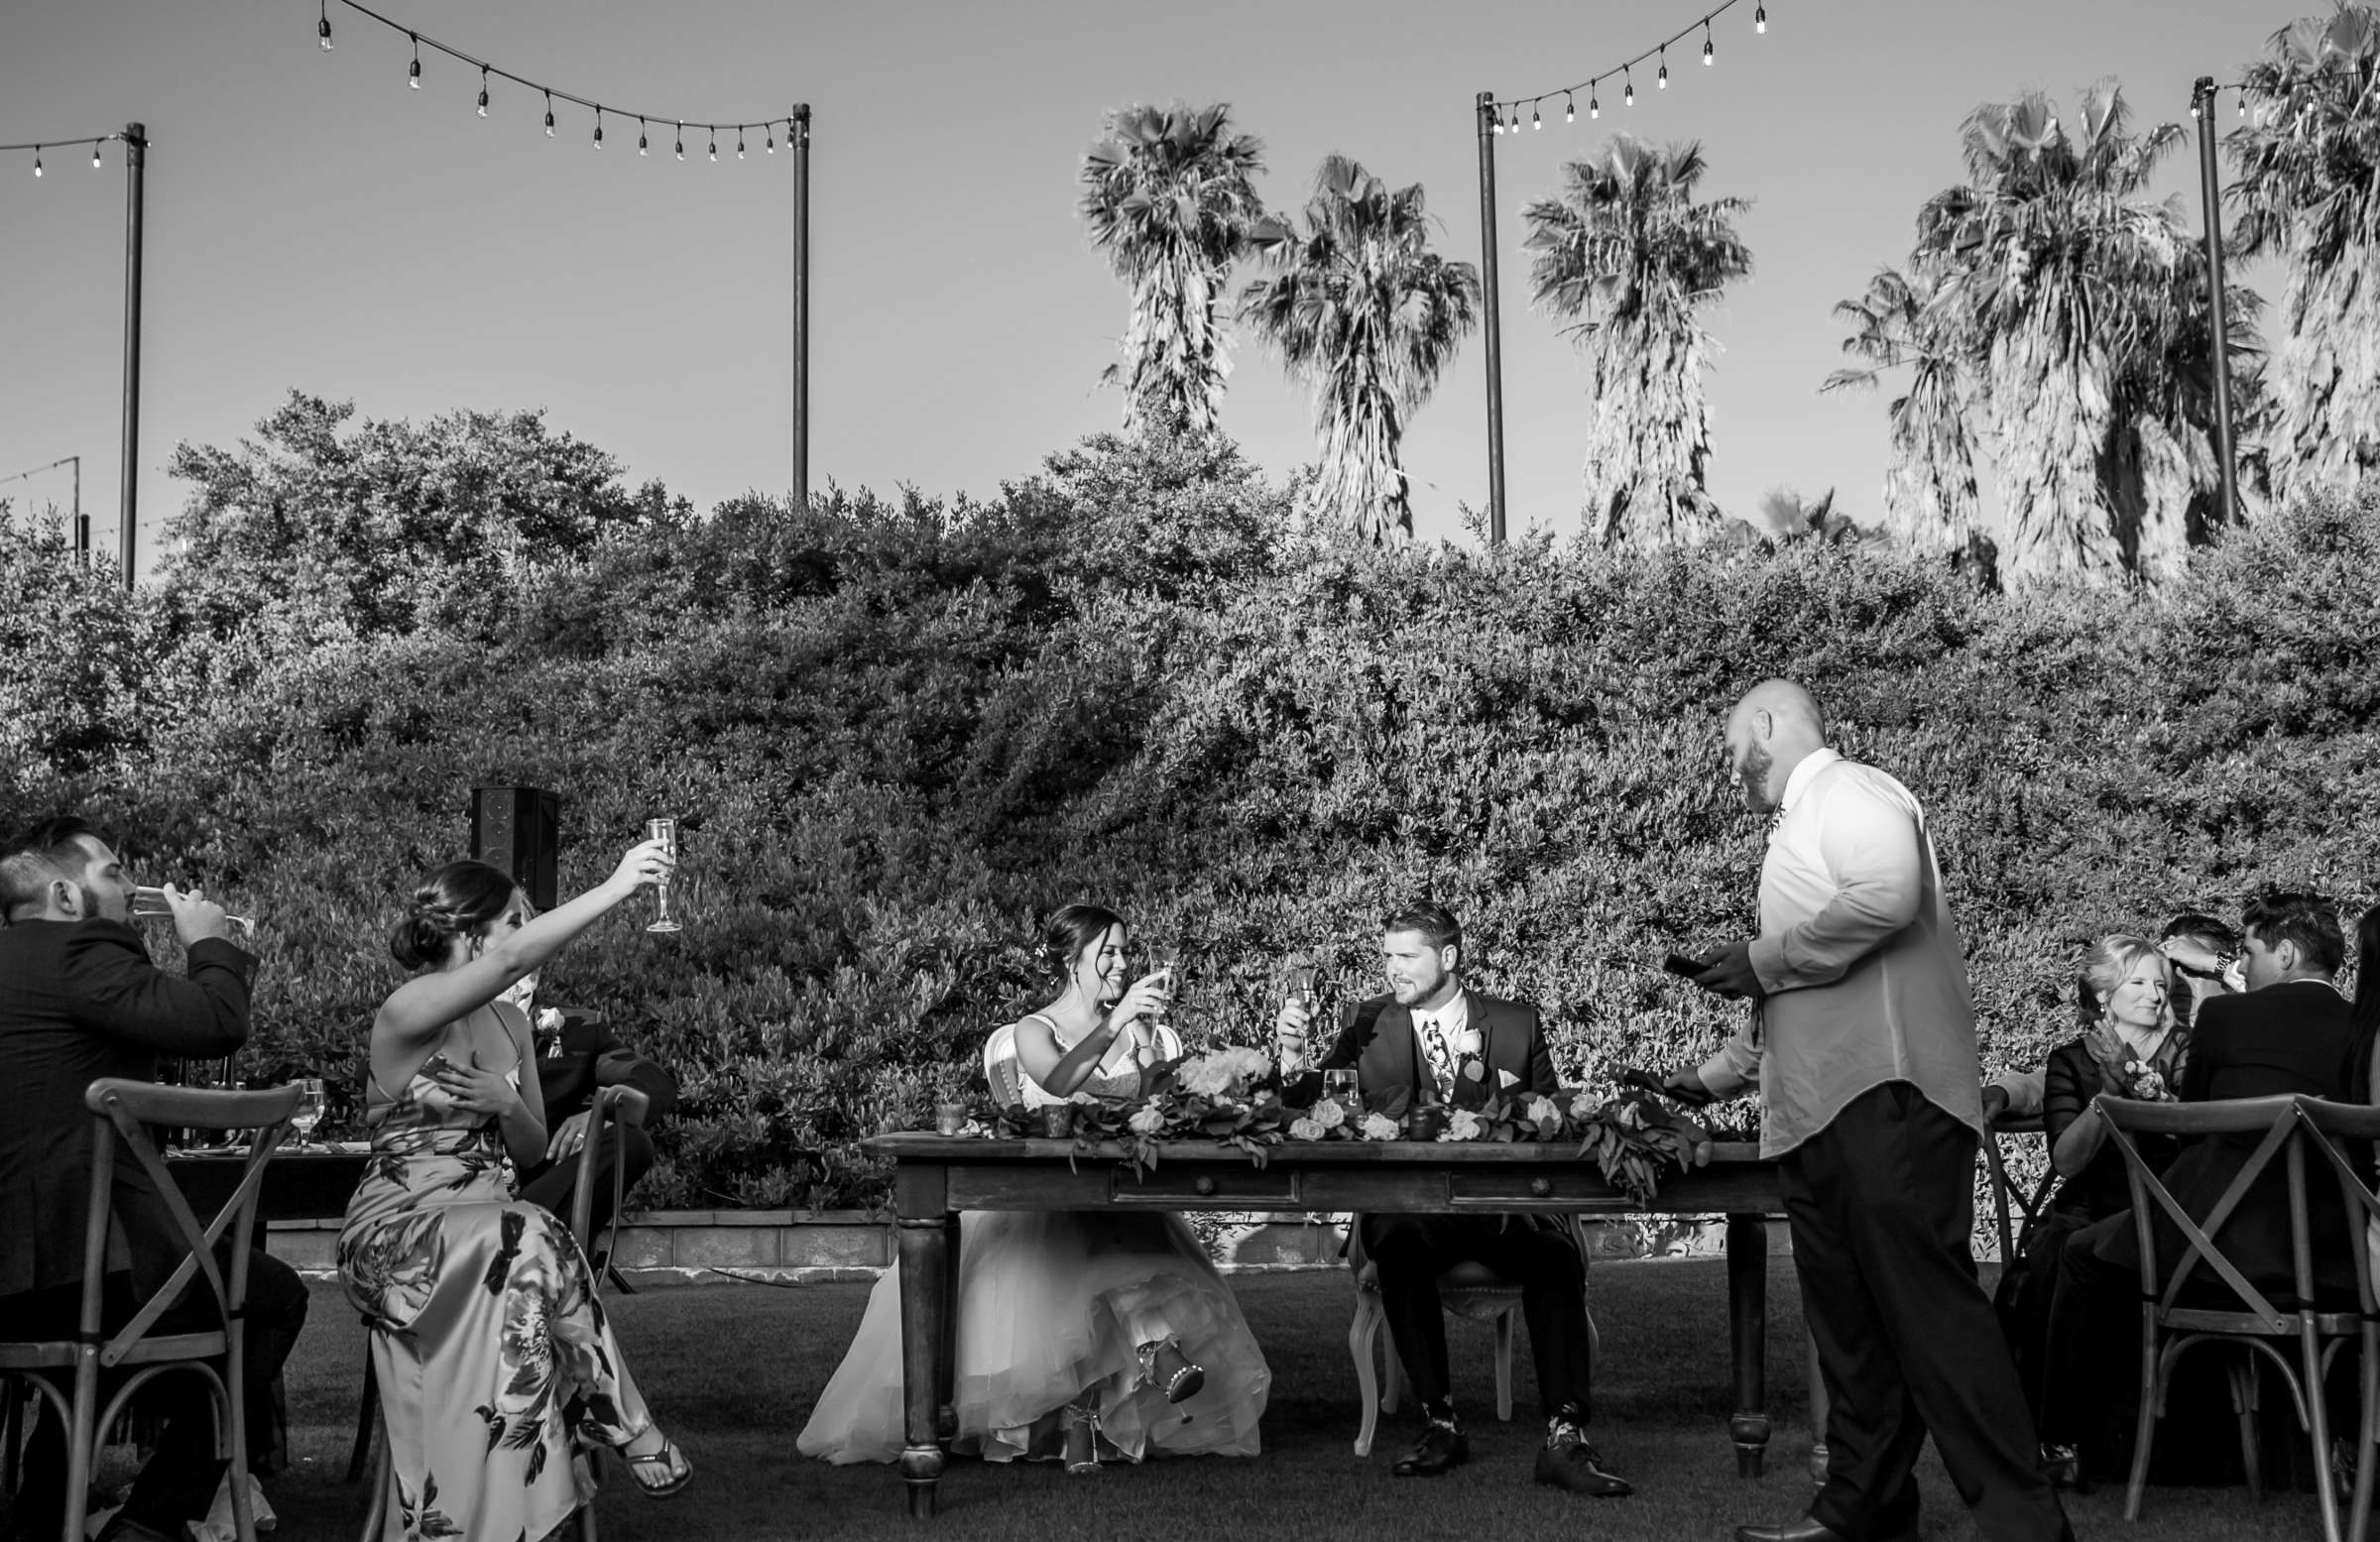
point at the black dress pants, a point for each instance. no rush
(1881, 1204)
(555, 1185)
(1411, 1252)
(178, 1481)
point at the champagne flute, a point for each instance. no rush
(663, 830)
(312, 1101)
(149, 903)
(1166, 958)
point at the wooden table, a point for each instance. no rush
(937, 1176)
(299, 1184)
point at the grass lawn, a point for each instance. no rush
(732, 1370)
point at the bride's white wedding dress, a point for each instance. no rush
(1052, 1305)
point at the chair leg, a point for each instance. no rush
(235, 1413)
(2318, 1415)
(1504, 1364)
(1361, 1335)
(359, 1460)
(2368, 1430)
(12, 1398)
(2145, 1431)
(2243, 1404)
(82, 1438)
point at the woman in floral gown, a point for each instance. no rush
(1078, 1332)
(491, 1348)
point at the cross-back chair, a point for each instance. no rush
(122, 1114)
(2205, 1298)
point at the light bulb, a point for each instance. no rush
(483, 90)
(94, 158)
(681, 142)
(639, 136)
(323, 31)
(550, 115)
(1760, 18)
(1706, 44)
(1661, 80)
(1536, 123)
(770, 147)
(1627, 92)
(36, 160)
(739, 142)
(714, 145)
(1499, 124)
(413, 75)
(599, 133)
(1570, 108)
(1594, 109)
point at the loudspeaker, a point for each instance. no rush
(519, 829)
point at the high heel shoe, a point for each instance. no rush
(1082, 1440)
(1163, 1364)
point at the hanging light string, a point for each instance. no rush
(2242, 89)
(769, 127)
(1507, 114)
(41, 146)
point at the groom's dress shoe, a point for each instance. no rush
(1807, 1529)
(1568, 1462)
(1441, 1449)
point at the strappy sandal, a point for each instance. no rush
(1163, 1364)
(671, 1464)
(1082, 1440)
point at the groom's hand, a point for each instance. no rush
(1290, 1030)
(1732, 974)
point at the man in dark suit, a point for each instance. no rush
(79, 1000)
(1438, 1042)
(2292, 1033)
(578, 1056)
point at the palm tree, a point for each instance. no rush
(2309, 164)
(1625, 251)
(1930, 495)
(1168, 194)
(2078, 305)
(1358, 307)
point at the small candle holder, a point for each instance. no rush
(950, 1118)
(1057, 1121)
(1426, 1122)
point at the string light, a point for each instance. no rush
(550, 115)
(1536, 120)
(1594, 109)
(1627, 95)
(714, 146)
(1661, 82)
(483, 90)
(1570, 108)
(1517, 120)
(36, 160)
(639, 136)
(598, 128)
(739, 141)
(772, 145)
(681, 142)
(412, 77)
(1657, 55)
(323, 31)
(94, 154)
(1707, 42)
(1760, 18)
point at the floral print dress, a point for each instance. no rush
(489, 1342)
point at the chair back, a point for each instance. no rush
(2014, 1210)
(2280, 1123)
(999, 1067)
(123, 1111)
(2327, 1126)
(613, 1106)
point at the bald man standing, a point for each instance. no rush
(1864, 1038)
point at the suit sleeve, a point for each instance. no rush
(1543, 1078)
(2205, 1052)
(617, 1065)
(115, 990)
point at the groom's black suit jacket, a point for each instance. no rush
(1376, 1037)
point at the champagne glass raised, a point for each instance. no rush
(663, 830)
(1166, 957)
(149, 903)
(311, 1102)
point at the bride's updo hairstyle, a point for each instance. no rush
(457, 900)
(1070, 930)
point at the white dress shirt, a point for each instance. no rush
(1451, 1020)
(1864, 969)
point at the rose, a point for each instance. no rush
(550, 1021)
(1304, 1129)
(1380, 1126)
(1583, 1105)
(1467, 1042)
(1541, 1109)
(1217, 1071)
(1632, 1116)
(1147, 1120)
(1329, 1114)
(1464, 1126)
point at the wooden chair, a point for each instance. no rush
(1468, 1290)
(2172, 1322)
(611, 1106)
(2013, 1210)
(122, 1112)
(2326, 1124)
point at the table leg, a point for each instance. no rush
(946, 1422)
(1747, 1338)
(925, 1315)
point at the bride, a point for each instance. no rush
(1079, 1333)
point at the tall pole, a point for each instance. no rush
(82, 520)
(2201, 106)
(1495, 330)
(799, 133)
(136, 159)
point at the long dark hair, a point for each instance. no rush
(2365, 1013)
(1069, 930)
(457, 900)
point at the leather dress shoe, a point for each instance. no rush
(1568, 1462)
(1441, 1449)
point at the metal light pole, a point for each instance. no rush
(136, 158)
(799, 134)
(2201, 107)
(1495, 334)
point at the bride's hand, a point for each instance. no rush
(648, 862)
(1146, 998)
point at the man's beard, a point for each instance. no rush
(1752, 773)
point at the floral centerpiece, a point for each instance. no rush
(1225, 1096)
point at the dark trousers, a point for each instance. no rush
(1882, 1203)
(1411, 1252)
(556, 1184)
(2093, 1335)
(178, 1481)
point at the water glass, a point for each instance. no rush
(1341, 1088)
(663, 830)
(312, 1103)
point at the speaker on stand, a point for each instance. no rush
(519, 829)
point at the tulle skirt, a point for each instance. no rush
(1052, 1305)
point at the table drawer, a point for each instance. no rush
(1208, 1188)
(1509, 1188)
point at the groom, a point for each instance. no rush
(1440, 1042)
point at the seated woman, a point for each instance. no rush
(1077, 1333)
(2130, 1047)
(491, 1348)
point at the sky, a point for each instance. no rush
(313, 223)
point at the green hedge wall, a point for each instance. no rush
(896, 734)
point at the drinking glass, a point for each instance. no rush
(149, 903)
(663, 830)
(1341, 1088)
(1166, 957)
(311, 1102)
